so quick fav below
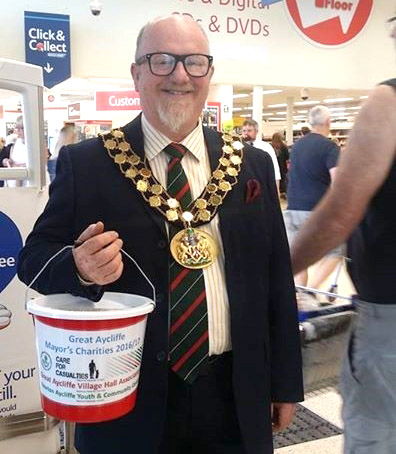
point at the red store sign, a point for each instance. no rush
(329, 22)
(117, 100)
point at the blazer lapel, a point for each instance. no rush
(134, 135)
(214, 144)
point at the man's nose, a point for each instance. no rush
(180, 74)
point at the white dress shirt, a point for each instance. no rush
(270, 150)
(197, 169)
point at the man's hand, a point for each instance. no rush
(98, 256)
(282, 415)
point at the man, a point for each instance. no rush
(313, 164)
(365, 192)
(250, 130)
(216, 393)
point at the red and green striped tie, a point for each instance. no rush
(189, 343)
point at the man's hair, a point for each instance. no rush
(143, 30)
(318, 116)
(251, 123)
(305, 130)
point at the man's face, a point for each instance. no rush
(249, 132)
(174, 102)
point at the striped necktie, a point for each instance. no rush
(189, 343)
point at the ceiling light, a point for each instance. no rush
(277, 119)
(268, 114)
(246, 115)
(236, 108)
(277, 105)
(330, 100)
(269, 92)
(240, 95)
(281, 113)
(305, 103)
(302, 111)
(363, 97)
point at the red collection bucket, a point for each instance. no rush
(89, 354)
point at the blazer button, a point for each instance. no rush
(161, 356)
(162, 244)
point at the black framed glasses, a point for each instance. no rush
(163, 64)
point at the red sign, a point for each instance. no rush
(329, 22)
(117, 100)
(1, 112)
(73, 111)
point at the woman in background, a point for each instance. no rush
(67, 136)
(282, 154)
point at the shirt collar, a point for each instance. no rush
(155, 141)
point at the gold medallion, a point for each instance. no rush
(131, 172)
(218, 174)
(142, 185)
(172, 215)
(110, 144)
(146, 173)
(201, 204)
(232, 171)
(154, 201)
(118, 134)
(124, 146)
(225, 186)
(173, 203)
(193, 248)
(224, 162)
(215, 200)
(120, 158)
(211, 187)
(134, 159)
(236, 160)
(156, 189)
(204, 215)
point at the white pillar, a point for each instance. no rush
(257, 113)
(289, 120)
(223, 94)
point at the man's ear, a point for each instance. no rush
(135, 75)
(211, 71)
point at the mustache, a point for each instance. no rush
(184, 87)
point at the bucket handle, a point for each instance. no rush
(71, 247)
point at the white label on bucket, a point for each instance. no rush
(89, 367)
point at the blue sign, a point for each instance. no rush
(10, 245)
(47, 44)
(269, 2)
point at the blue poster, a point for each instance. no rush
(47, 44)
(10, 245)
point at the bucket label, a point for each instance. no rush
(89, 367)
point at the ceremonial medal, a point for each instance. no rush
(193, 248)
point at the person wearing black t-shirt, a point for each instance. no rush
(362, 203)
(313, 163)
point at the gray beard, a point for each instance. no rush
(174, 116)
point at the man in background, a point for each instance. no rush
(362, 200)
(250, 130)
(313, 165)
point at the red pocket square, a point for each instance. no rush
(253, 191)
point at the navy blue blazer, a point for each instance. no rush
(266, 349)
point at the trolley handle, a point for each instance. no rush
(71, 247)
